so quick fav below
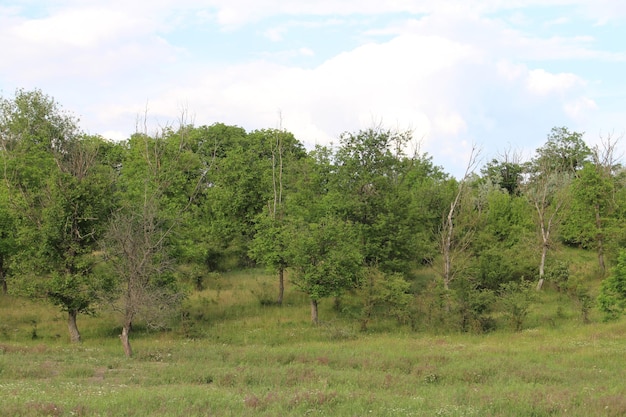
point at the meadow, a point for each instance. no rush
(230, 354)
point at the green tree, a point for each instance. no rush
(245, 182)
(612, 298)
(8, 244)
(325, 258)
(516, 299)
(504, 239)
(368, 189)
(547, 189)
(383, 294)
(563, 152)
(590, 219)
(506, 173)
(59, 193)
(269, 245)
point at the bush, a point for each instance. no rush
(516, 299)
(473, 305)
(612, 298)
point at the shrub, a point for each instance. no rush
(612, 298)
(516, 299)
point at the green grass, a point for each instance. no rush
(237, 357)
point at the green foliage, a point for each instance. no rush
(473, 306)
(516, 299)
(325, 257)
(269, 246)
(8, 243)
(592, 203)
(612, 297)
(368, 188)
(244, 177)
(385, 295)
(498, 265)
(580, 291)
(59, 197)
(558, 274)
(563, 152)
(505, 174)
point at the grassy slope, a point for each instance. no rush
(254, 360)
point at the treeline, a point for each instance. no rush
(86, 222)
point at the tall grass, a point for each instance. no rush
(230, 354)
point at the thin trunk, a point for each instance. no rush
(447, 245)
(545, 244)
(542, 265)
(125, 338)
(545, 238)
(600, 240)
(71, 325)
(314, 316)
(281, 285)
(3, 280)
(448, 226)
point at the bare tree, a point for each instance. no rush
(605, 163)
(547, 192)
(136, 243)
(450, 243)
(556, 163)
(135, 247)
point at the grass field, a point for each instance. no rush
(231, 356)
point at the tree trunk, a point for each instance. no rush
(125, 338)
(314, 316)
(3, 282)
(281, 285)
(447, 244)
(600, 240)
(3, 278)
(542, 265)
(71, 325)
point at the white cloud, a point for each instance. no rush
(81, 27)
(454, 75)
(449, 124)
(94, 44)
(580, 108)
(510, 71)
(541, 82)
(275, 34)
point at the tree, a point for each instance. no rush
(368, 187)
(612, 298)
(505, 172)
(451, 241)
(160, 180)
(548, 194)
(135, 247)
(269, 245)
(563, 152)
(385, 293)
(326, 259)
(59, 198)
(8, 245)
(593, 202)
(516, 298)
(245, 182)
(550, 174)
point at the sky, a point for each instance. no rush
(495, 74)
